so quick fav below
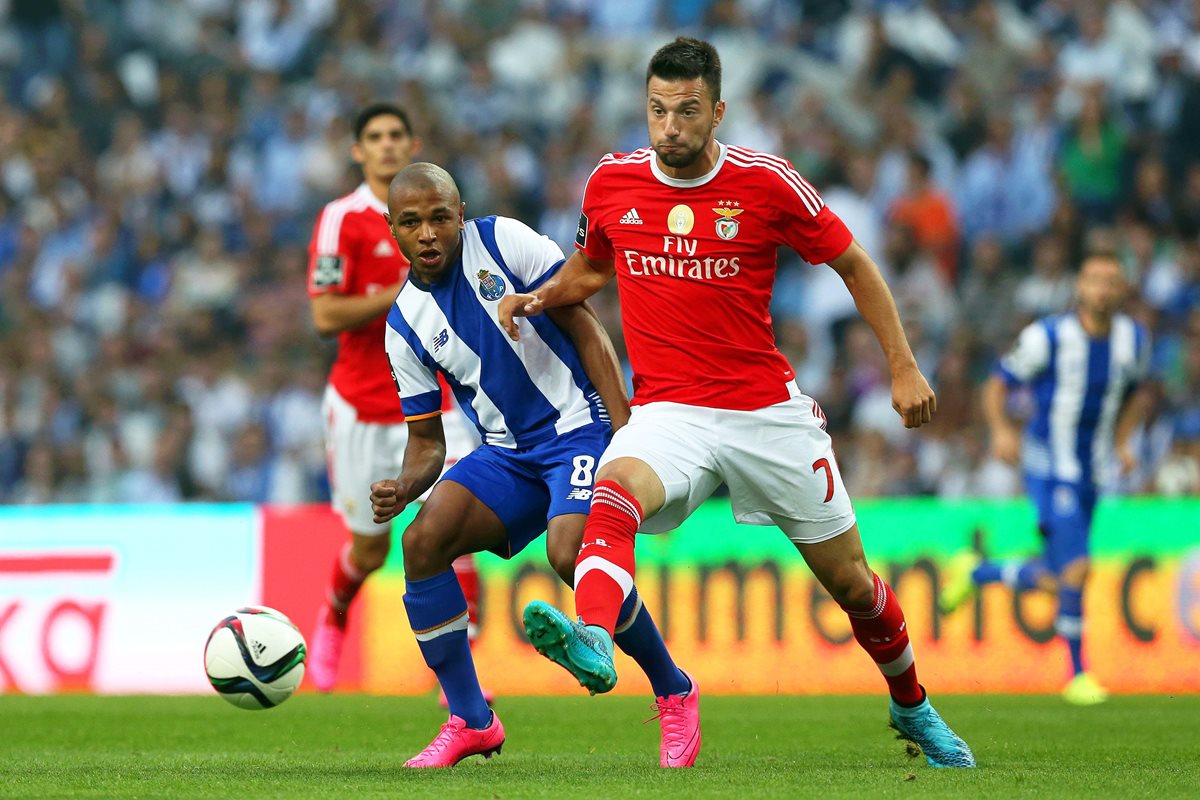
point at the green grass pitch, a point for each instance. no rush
(352, 746)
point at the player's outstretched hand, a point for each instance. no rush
(517, 305)
(386, 500)
(912, 398)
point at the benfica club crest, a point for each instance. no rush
(491, 287)
(727, 226)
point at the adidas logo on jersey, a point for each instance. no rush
(384, 248)
(631, 218)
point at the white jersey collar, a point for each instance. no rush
(364, 191)
(684, 183)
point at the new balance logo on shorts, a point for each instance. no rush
(631, 218)
(579, 494)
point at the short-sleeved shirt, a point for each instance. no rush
(1079, 384)
(518, 394)
(352, 253)
(695, 264)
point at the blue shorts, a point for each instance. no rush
(529, 486)
(1064, 512)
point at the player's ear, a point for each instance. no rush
(356, 152)
(416, 146)
(718, 113)
(462, 214)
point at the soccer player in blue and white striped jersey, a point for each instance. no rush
(1083, 369)
(538, 407)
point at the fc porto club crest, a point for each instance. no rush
(491, 287)
(727, 226)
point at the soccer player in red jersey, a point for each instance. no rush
(690, 228)
(355, 272)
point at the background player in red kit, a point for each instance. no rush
(690, 228)
(355, 272)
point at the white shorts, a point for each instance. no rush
(777, 461)
(360, 453)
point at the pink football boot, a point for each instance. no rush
(325, 650)
(679, 716)
(455, 741)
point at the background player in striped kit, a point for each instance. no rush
(355, 271)
(537, 406)
(1083, 369)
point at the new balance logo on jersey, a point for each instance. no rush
(384, 248)
(440, 340)
(631, 218)
(579, 494)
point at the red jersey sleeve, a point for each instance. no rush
(330, 257)
(590, 238)
(806, 224)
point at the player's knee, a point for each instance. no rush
(562, 555)
(426, 551)
(852, 585)
(369, 554)
(1075, 574)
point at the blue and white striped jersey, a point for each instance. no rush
(1079, 385)
(516, 393)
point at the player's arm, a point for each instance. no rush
(1134, 411)
(912, 398)
(577, 280)
(599, 357)
(333, 313)
(424, 457)
(1006, 438)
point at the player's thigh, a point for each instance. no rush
(514, 493)
(678, 443)
(358, 454)
(781, 469)
(1065, 517)
(454, 522)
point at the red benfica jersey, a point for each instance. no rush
(695, 263)
(352, 252)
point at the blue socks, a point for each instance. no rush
(437, 611)
(639, 638)
(1069, 624)
(1017, 575)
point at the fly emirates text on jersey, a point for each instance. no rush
(679, 261)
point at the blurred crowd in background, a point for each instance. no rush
(162, 163)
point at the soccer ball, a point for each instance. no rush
(255, 658)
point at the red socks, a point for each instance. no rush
(344, 584)
(605, 566)
(468, 579)
(882, 633)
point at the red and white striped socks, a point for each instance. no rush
(605, 567)
(882, 632)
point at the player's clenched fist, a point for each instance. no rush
(386, 500)
(912, 398)
(517, 305)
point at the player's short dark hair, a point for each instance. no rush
(378, 110)
(685, 59)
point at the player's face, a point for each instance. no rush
(427, 225)
(385, 148)
(682, 118)
(1101, 286)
